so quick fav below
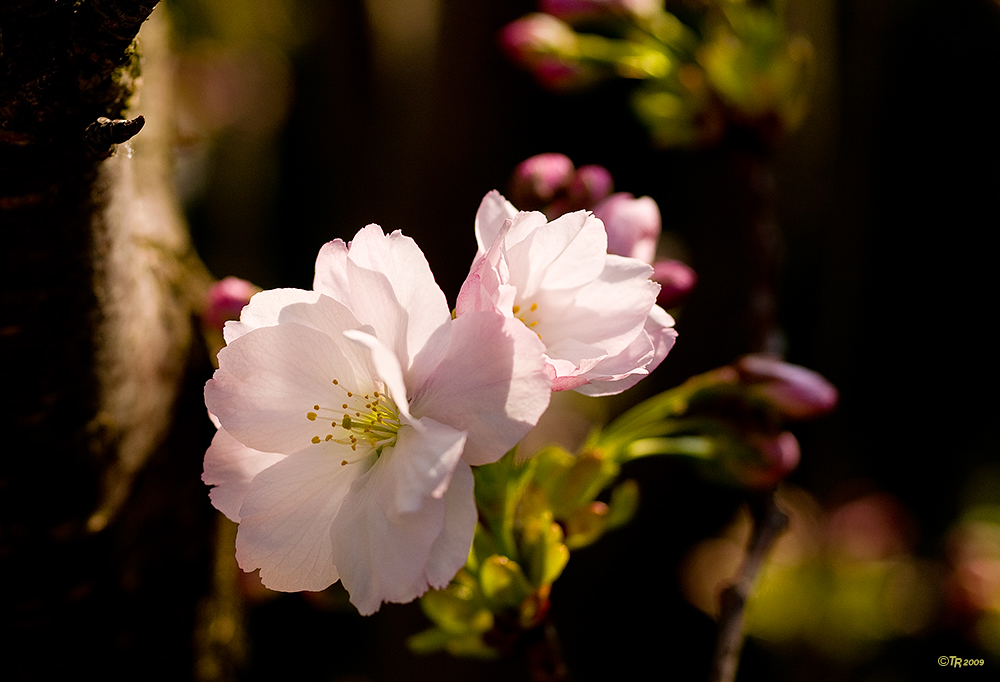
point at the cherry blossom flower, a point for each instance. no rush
(350, 415)
(595, 312)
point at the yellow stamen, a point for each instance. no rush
(374, 424)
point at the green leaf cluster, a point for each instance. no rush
(531, 515)
(732, 64)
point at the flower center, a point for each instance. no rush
(529, 317)
(370, 419)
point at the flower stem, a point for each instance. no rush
(769, 523)
(545, 661)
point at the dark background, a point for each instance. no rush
(887, 203)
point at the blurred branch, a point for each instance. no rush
(545, 659)
(769, 523)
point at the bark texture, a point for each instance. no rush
(104, 525)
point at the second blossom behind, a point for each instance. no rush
(595, 313)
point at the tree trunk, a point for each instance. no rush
(105, 527)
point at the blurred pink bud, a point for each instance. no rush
(676, 279)
(781, 456)
(537, 35)
(872, 528)
(537, 180)
(587, 9)
(575, 9)
(547, 47)
(633, 225)
(640, 8)
(226, 300)
(591, 184)
(973, 586)
(797, 392)
(558, 75)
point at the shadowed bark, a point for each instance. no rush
(105, 526)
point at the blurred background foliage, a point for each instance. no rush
(303, 120)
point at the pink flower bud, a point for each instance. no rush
(226, 300)
(797, 392)
(588, 9)
(537, 180)
(640, 8)
(633, 225)
(781, 456)
(547, 47)
(591, 184)
(872, 528)
(676, 279)
(537, 35)
(575, 9)
(558, 75)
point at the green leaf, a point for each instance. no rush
(623, 505)
(586, 525)
(499, 487)
(503, 583)
(459, 608)
(429, 641)
(579, 486)
(551, 556)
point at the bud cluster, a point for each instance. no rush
(736, 66)
(550, 183)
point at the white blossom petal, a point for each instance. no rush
(567, 253)
(490, 382)
(645, 354)
(591, 310)
(423, 459)
(487, 286)
(451, 547)
(400, 260)
(383, 555)
(493, 211)
(607, 313)
(331, 271)
(382, 278)
(325, 314)
(230, 466)
(269, 380)
(263, 310)
(286, 517)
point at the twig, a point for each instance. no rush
(769, 523)
(545, 660)
(103, 133)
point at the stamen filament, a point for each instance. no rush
(375, 422)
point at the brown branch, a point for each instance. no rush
(769, 523)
